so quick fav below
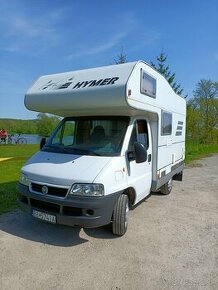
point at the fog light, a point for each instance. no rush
(90, 212)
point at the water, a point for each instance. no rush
(30, 138)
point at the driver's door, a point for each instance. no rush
(140, 174)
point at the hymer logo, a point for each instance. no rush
(68, 83)
(94, 83)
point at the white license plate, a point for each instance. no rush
(44, 216)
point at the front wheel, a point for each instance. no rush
(119, 220)
(21, 141)
(167, 187)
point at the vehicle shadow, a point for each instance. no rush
(157, 193)
(101, 233)
(22, 225)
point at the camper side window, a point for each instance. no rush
(148, 85)
(166, 123)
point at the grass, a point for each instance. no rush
(196, 151)
(9, 169)
(9, 172)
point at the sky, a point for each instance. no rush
(39, 37)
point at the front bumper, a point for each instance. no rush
(87, 212)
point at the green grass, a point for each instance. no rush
(196, 151)
(9, 172)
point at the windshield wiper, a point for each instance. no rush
(94, 153)
(74, 150)
(54, 147)
(70, 150)
(81, 151)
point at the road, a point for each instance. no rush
(171, 243)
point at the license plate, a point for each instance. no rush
(44, 216)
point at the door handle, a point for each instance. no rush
(149, 157)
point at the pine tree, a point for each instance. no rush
(121, 58)
(165, 71)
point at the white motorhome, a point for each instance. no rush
(122, 136)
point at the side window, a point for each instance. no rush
(139, 134)
(68, 133)
(57, 139)
(133, 138)
(65, 134)
(148, 85)
(166, 123)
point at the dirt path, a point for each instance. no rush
(171, 243)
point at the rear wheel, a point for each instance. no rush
(167, 187)
(120, 221)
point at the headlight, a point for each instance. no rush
(87, 189)
(24, 179)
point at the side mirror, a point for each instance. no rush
(42, 142)
(140, 152)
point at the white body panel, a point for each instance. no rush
(64, 169)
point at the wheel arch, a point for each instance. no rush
(131, 193)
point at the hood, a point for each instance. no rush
(64, 169)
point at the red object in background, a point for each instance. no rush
(3, 133)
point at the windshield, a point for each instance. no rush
(101, 136)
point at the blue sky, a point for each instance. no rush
(49, 36)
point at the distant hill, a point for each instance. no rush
(19, 126)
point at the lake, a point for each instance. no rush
(30, 138)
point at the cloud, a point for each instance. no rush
(114, 35)
(10, 48)
(30, 29)
(101, 47)
(29, 33)
(117, 36)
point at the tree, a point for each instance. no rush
(46, 124)
(193, 122)
(121, 58)
(205, 101)
(16, 126)
(165, 71)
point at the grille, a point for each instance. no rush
(47, 206)
(53, 191)
(72, 211)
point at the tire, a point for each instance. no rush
(167, 187)
(21, 141)
(119, 220)
(9, 140)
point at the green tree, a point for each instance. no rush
(205, 101)
(121, 58)
(193, 122)
(16, 126)
(46, 124)
(165, 71)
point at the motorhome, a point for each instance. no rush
(121, 137)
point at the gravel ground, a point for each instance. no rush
(171, 243)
